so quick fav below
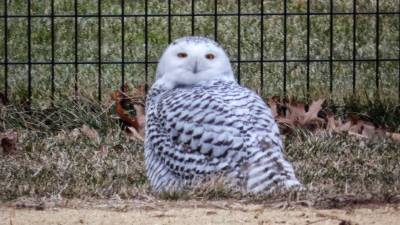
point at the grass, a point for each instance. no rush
(54, 158)
(204, 25)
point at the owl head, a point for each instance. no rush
(190, 60)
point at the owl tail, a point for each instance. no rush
(268, 170)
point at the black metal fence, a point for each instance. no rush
(216, 15)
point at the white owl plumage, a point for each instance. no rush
(200, 123)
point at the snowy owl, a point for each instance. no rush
(200, 123)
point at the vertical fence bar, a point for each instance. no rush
(377, 47)
(262, 46)
(398, 57)
(331, 47)
(193, 18)
(52, 51)
(123, 44)
(29, 53)
(146, 43)
(216, 20)
(284, 46)
(5, 51)
(99, 43)
(238, 40)
(354, 45)
(76, 46)
(308, 50)
(169, 22)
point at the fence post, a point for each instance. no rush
(354, 59)
(5, 51)
(123, 44)
(284, 46)
(53, 35)
(99, 43)
(238, 41)
(29, 54)
(377, 37)
(262, 47)
(331, 46)
(76, 46)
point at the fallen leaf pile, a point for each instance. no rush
(291, 114)
(129, 105)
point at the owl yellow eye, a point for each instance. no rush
(182, 55)
(210, 56)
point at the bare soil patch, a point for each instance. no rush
(193, 212)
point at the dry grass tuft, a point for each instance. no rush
(73, 150)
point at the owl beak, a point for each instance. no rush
(195, 68)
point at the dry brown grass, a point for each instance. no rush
(77, 150)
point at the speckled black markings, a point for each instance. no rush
(215, 127)
(196, 39)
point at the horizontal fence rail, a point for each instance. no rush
(217, 17)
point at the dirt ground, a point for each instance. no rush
(193, 213)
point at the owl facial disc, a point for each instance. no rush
(190, 60)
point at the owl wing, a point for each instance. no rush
(205, 129)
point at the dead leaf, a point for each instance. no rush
(139, 91)
(332, 124)
(395, 137)
(126, 100)
(134, 135)
(369, 130)
(355, 128)
(296, 112)
(140, 118)
(273, 104)
(345, 127)
(381, 131)
(9, 141)
(357, 135)
(313, 111)
(291, 114)
(90, 133)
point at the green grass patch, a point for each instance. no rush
(204, 26)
